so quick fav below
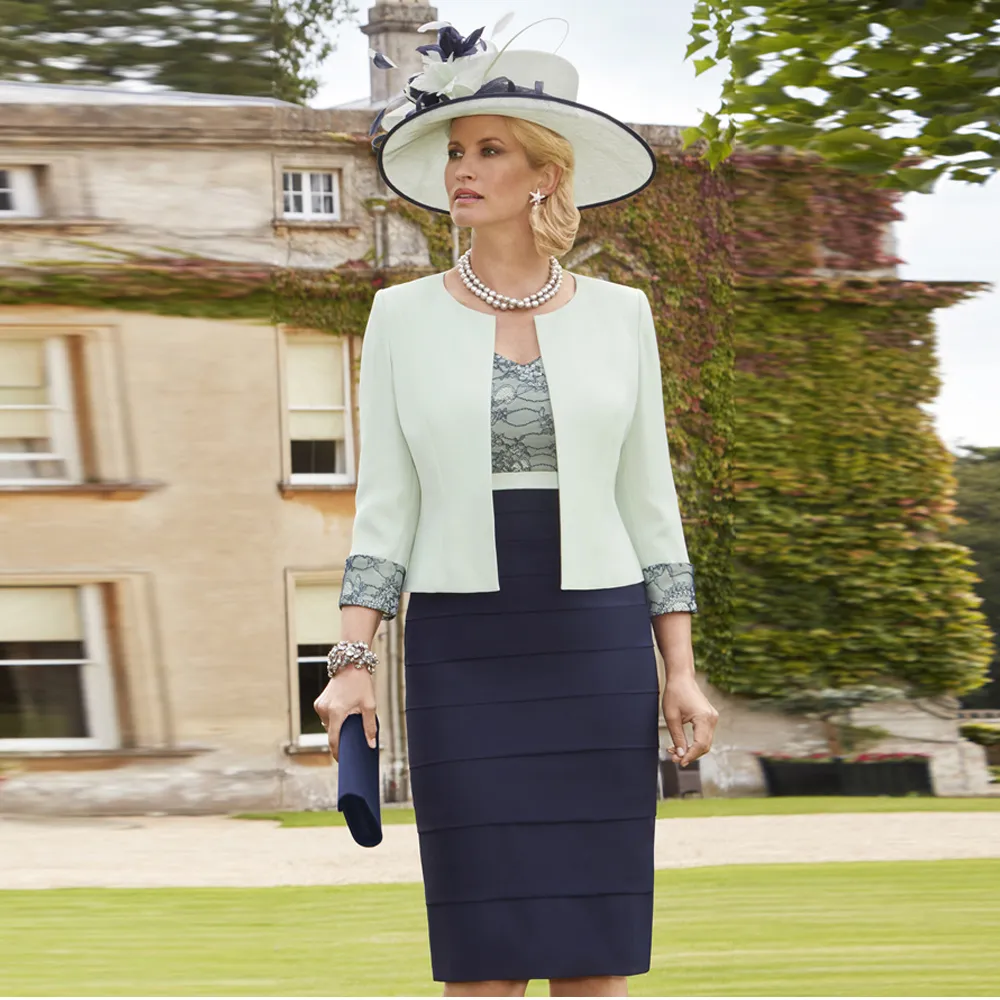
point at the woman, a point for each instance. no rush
(533, 571)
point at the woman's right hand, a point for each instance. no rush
(350, 691)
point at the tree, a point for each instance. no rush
(303, 36)
(907, 90)
(256, 48)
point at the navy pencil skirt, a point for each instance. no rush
(532, 727)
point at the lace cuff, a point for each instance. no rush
(669, 587)
(372, 582)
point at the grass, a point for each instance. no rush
(847, 929)
(777, 806)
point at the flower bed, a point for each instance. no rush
(857, 774)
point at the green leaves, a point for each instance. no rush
(696, 46)
(920, 179)
(936, 61)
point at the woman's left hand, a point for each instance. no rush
(684, 701)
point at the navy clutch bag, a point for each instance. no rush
(358, 782)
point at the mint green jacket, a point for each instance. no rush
(424, 501)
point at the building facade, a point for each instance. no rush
(177, 491)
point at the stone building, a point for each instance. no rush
(176, 491)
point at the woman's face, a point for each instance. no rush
(484, 157)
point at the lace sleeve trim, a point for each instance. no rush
(669, 587)
(372, 582)
(376, 583)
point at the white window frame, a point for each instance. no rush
(322, 478)
(335, 579)
(96, 683)
(295, 580)
(23, 190)
(307, 175)
(306, 739)
(65, 434)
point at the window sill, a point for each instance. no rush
(288, 489)
(89, 760)
(310, 756)
(105, 490)
(71, 226)
(283, 226)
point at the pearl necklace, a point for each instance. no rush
(492, 297)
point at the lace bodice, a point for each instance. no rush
(522, 440)
(523, 435)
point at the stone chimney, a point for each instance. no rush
(392, 30)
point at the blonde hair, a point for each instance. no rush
(556, 220)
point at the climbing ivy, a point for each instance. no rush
(816, 493)
(844, 496)
(674, 241)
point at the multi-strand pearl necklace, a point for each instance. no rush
(492, 297)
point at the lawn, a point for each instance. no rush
(848, 929)
(777, 806)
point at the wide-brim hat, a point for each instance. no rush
(612, 161)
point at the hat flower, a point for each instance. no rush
(450, 43)
(455, 74)
(454, 66)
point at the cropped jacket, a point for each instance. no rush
(424, 506)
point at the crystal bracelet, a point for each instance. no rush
(357, 653)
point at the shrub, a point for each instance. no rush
(980, 732)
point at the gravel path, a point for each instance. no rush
(217, 851)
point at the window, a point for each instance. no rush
(314, 626)
(18, 192)
(317, 628)
(311, 194)
(317, 371)
(38, 433)
(55, 677)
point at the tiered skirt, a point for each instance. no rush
(532, 729)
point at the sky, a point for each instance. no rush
(630, 56)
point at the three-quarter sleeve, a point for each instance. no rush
(644, 487)
(388, 490)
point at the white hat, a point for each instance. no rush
(468, 76)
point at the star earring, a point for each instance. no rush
(537, 198)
